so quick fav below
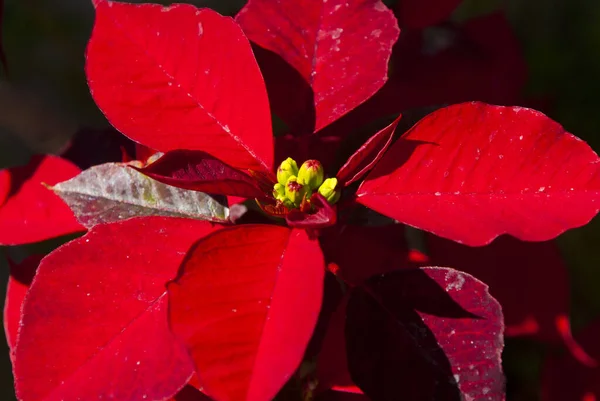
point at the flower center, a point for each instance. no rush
(296, 186)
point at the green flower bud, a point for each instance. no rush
(279, 192)
(286, 169)
(328, 191)
(311, 174)
(294, 191)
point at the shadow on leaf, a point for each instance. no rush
(390, 349)
(290, 96)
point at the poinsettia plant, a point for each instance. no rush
(212, 269)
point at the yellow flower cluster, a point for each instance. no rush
(296, 184)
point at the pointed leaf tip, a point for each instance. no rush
(367, 156)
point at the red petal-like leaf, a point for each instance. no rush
(180, 78)
(344, 62)
(367, 155)
(94, 321)
(31, 212)
(425, 334)
(201, 172)
(323, 216)
(422, 13)
(514, 269)
(21, 276)
(260, 293)
(565, 378)
(473, 171)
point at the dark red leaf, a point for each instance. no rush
(180, 78)
(323, 215)
(261, 288)
(21, 276)
(367, 155)
(473, 171)
(94, 321)
(431, 333)
(361, 252)
(422, 13)
(481, 60)
(342, 61)
(514, 270)
(565, 378)
(31, 212)
(201, 172)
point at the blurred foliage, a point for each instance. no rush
(45, 45)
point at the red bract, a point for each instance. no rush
(471, 172)
(217, 101)
(94, 320)
(250, 278)
(529, 308)
(244, 302)
(21, 276)
(408, 331)
(319, 39)
(201, 172)
(30, 212)
(366, 156)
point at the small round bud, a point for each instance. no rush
(279, 192)
(294, 191)
(311, 174)
(328, 191)
(286, 169)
